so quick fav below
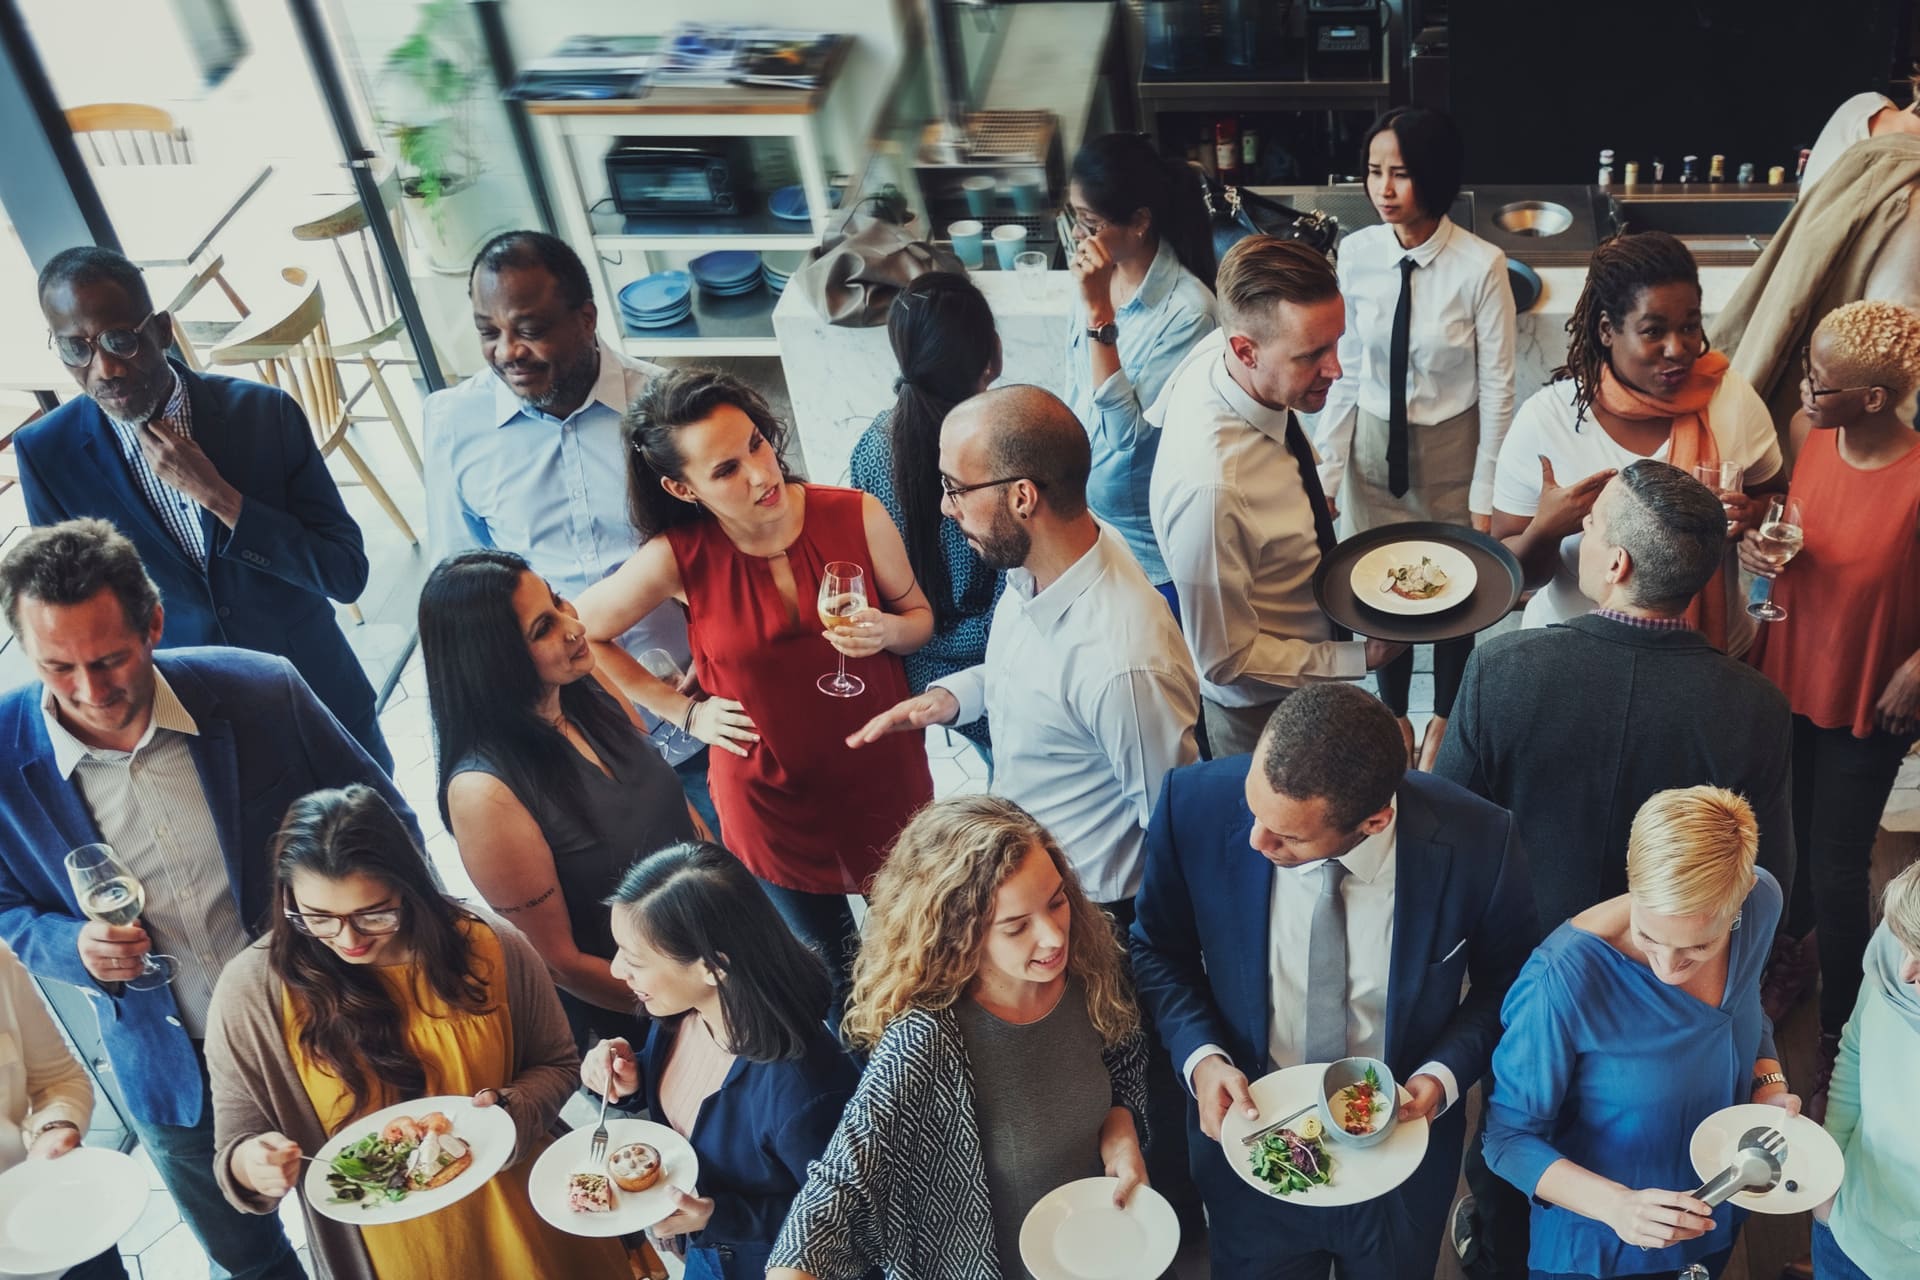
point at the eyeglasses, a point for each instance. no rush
(1814, 389)
(76, 351)
(954, 492)
(1086, 224)
(368, 924)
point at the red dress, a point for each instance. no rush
(802, 809)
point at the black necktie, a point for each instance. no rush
(1397, 383)
(1310, 481)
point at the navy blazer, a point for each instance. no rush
(755, 1139)
(264, 742)
(267, 581)
(1462, 908)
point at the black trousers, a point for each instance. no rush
(1502, 1212)
(1449, 663)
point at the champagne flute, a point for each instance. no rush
(112, 894)
(843, 596)
(1781, 533)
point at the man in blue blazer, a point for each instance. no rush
(217, 481)
(184, 763)
(1316, 900)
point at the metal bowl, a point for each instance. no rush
(1533, 218)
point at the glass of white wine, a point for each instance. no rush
(1780, 537)
(843, 597)
(110, 893)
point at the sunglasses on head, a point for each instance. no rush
(76, 351)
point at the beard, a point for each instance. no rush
(1006, 543)
(571, 385)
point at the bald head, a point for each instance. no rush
(1025, 432)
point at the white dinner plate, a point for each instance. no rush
(1075, 1233)
(632, 1210)
(487, 1130)
(1371, 569)
(56, 1214)
(1359, 1173)
(1813, 1162)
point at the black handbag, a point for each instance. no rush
(1236, 213)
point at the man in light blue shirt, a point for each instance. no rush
(528, 455)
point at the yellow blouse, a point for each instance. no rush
(495, 1231)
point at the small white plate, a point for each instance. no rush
(1075, 1233)
(1359, 1173)
(56, 1214)
(632, 1210)
(1813, 1161)
(487, 1130)
(1371, 569)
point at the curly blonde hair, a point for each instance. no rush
(930, 907)
(1875, 343)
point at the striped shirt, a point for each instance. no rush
(148, 804)
(1644, 622)
(179, 513)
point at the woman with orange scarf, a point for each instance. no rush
(1640, 382)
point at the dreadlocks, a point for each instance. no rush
(1616, 273)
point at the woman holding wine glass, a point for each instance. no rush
(800, 599)
(1847, 650)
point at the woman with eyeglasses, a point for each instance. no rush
(1142, 257)
(547, 780)
(1640, 382)
(372, 988)
(1848, 652)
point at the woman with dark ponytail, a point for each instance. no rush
(943, 338)
(1143, 258)
(1640, 382)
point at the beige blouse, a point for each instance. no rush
(695, 1070)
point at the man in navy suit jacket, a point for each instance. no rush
(217, 481)
(1237, 954)
(185, 763)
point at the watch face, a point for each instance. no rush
(1109, 333)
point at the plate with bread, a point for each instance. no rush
(628, 1191)
(408, 1160)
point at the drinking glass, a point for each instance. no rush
(843, 596)
(1032, 269)
(1722, 477)
(661, 666)
(110, 893)
(1781, 533)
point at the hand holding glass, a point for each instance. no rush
(1781, 536)
(661, 666)
(843, 597)
(108, 892)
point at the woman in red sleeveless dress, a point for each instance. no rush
(743, 546)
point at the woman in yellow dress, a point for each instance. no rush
(372, 988)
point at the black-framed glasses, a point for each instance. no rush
(954, 492)
(368, 924)
(76, 351)
(1814, 389)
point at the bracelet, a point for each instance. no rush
(686, 721)
(1761, 1082)
(48, 1128)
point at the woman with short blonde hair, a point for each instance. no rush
(1619, 1035)
(1007, 1057)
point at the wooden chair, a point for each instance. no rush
(291, 350)
(192, 334)
(117, 133)
(377, 341)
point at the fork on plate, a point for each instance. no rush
(597, 1153)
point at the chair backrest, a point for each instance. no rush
(287, 342)
(366, 281)
(128, 133)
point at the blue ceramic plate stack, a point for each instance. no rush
(789, 204)
(657, 301)
(726, 273)
(778, 268)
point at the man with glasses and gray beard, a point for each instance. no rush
(216, 480)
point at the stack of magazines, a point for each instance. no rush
(700, 55)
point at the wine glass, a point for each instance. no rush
(843, 597)
(661, 666)
(1782, 537)
(1722, 477)
(110, 893)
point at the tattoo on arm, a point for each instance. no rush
(528, 905)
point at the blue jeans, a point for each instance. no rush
(244, 1246)
(1715, 1263)
(693, 780)
(1830, 1261)
(824, 922)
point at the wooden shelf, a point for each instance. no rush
(719, 326)
(756, 230)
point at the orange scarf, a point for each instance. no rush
(1690, 443)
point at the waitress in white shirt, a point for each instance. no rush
(1412, 429)
(1863, 116)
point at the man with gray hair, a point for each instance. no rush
(1572, 726)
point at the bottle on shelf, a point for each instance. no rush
(1689, 168)
(1659, 169)
(1717, 169)
(1777, 176)
(1249, 152)
(1633, 173)
(1746, 173)
(1800, 170)
(1606, 167)
(1226, 150)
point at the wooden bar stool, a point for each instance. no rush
(117, 133)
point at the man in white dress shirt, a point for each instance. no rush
(1236, 499)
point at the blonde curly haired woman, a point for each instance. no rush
(1007, 1058)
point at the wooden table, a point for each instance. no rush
(167, 214)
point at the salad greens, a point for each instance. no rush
(370, 1171)
(1290, 1162)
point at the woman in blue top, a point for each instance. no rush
(943, 338)
(1143, 257)
(1633, 1022)
(739, 1060)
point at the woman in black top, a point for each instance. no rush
(547, 781)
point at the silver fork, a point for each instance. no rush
(1756, 1166)
(597, 1153)
(1253, 1139)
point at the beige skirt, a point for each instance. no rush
(1440, 462)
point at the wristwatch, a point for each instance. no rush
(1107, 334)
(1761, 1082)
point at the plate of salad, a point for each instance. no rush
(408, 1160)
(1300, 1163)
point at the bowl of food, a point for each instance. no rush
(1358, 1101)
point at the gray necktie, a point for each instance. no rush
(1327, 970)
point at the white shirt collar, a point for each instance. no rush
(1367, 859)
(1046, 608)
(1271, 423)
(1429, 249)
(609, 389)
(69, 751)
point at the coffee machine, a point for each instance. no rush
(1344, 39)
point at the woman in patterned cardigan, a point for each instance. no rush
(1007, 1058)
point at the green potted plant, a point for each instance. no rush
(431, 85)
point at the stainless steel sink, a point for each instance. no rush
(1533, 218)
(1721, 229)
